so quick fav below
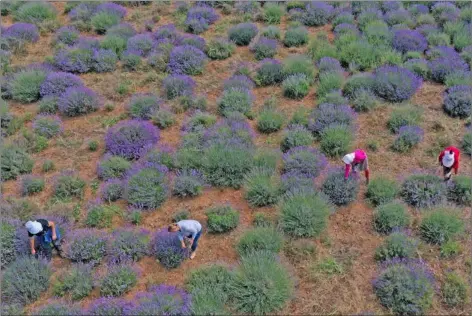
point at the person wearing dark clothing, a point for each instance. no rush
(47, 233)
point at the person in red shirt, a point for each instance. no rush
(449, 159)
(358, 161)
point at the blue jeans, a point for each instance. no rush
(45, 242)
(195, 241)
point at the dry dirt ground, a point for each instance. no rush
(349, 237)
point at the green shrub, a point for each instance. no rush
(264, 280)
(102, 21)
(270, 121)
(266, 158)
(358, 82)
(35, 13)
(438, 39)
(458, 78)
(460, 190)
(298, 64)
(93, 145)
(296, 36)
(131, 62)
(336, 140)
(25, 85)
(31, 185)
(304, 214)
(220, 49)
(389, 216)
(259, 239)
(118, 281)
(450, 249)
(296, 86)
(21, 208)
(454, 290)
(235, 100)
(328, 266)
(7, 239)
(262, 187)
(404, 116)
(222, 219)
(14, 161)
(333, 97)
(24, 280)
(163, 118)
(329, 82)
(381, 190)
(359, 53)
(226, 167)
(300, 116)
(261, 220)
(364, 101)
(115, 43)
(180, 215)
(68, 185)
(378, 33)
(271, 31)
(467, 143)
(76, 283)
(272, 13)
(209, 287)
(397, 245)
(440, 226)
(113, 167)
(101, 215)
(48, 105)
(320, 47)
(296, 136)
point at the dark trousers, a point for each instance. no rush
(45, 249)
(447, 173)
(195, 241)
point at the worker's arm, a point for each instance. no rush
(456, 164)
(367, 173)
(441, 155)
(53, 227)
(33, 251)
(182, 242)
(346, 171)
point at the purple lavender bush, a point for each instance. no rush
(141, 44)
(186, 60)
(408, 41)
(326, 115)
(441, 67)
(24, 280)
(338, 190)
(77, 60)
(162, 155)
(23, 32)
(77, 101)
(118, 281)
(199, 17)
(423, 190)
(405, 287)
(408, 137)
(111, 8)
(399, 17)
(143, 105)
(168, 32)
(317, 14)
(188, 183)
(131, 139)
(442, 51)
(329, 64)
(57, 308)
(48, 125)
(86, 246)
(269, 72)
(238, 81)
(345, 28)
(167, 249)
(160, 300)
(128, 246)
(445, 12)
(242, 33)
(304, 161)
(104, 60)
(107, 306)
(178, 85)
(194, 40)
(56, 83)
(458, 101)
(67, 35)
(146, 187)
(264, 48)
(395, 84)
(294, 136)
(123, 30)
(111, 190)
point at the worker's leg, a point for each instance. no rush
(57, 243)
(195, 244)
(447, 173)
(45, 249)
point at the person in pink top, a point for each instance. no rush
(357, 161)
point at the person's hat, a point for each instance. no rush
(448, 159)
(349, 158)
(33, 227)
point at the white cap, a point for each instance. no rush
(349, 158)
(448, 159)
(33, 227)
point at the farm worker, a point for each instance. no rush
(46, 232)
(358, 161)
(449, 159)
(190, 229)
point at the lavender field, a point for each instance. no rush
(119, 118)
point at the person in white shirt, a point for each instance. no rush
(190, 229)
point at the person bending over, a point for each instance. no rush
(190, 229)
